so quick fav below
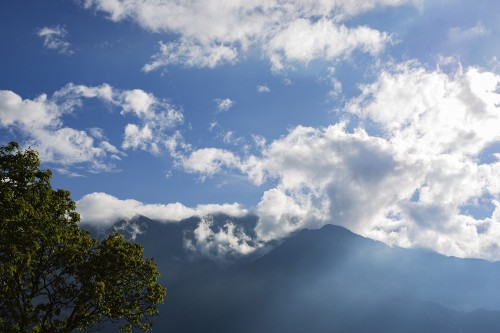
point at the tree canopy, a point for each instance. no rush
(54, 276)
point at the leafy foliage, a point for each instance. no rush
(54, 277)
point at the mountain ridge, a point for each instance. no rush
(320, 280)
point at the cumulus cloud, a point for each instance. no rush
(408, 175)
(54, 38)
(139, 103)
(153, 130)
(443, 114)
(224, 105)
(304, 40)
(16, 111)
(103, 210)
(154, 117)
(211, 33)
(209, 161)
(442, 124)
(40, 122)
(137, 138)
(324, 176)
(220, 244)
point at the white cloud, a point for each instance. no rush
(97, 133)
(191, 54)
(68, 173)
(130, 228)
(138, 102)
(415, 181)
(106, 146)
(263, 88)
(336, 85)
(67, 146)
(231, 138)
(209, 161)
(54, 39)
(69, 97)
(259, 140)
(16, 111)
(324, 176)
(224, 105)
(441, 124)
(304, 40)
(136, 137)
(221, 245)
(103, 210)
(40, 121)
(234, 20)
(213, 125)
(228, 137)
(212, 32)
(407, 183)
(445, 115)
(154, 116)
(282, 212)
(176, 145)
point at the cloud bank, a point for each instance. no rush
(418, 170)
(103, 210)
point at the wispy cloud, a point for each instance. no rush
(459, 34)
(189, 53)
(263, 88)
(69, 173)
(54, 38)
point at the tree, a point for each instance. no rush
(54, 277)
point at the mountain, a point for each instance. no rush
(335, 254)
(325, 280)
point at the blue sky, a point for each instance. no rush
(382, 115)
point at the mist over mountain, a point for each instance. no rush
(325, 280)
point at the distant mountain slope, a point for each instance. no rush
(326, 280)
(334, 253)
